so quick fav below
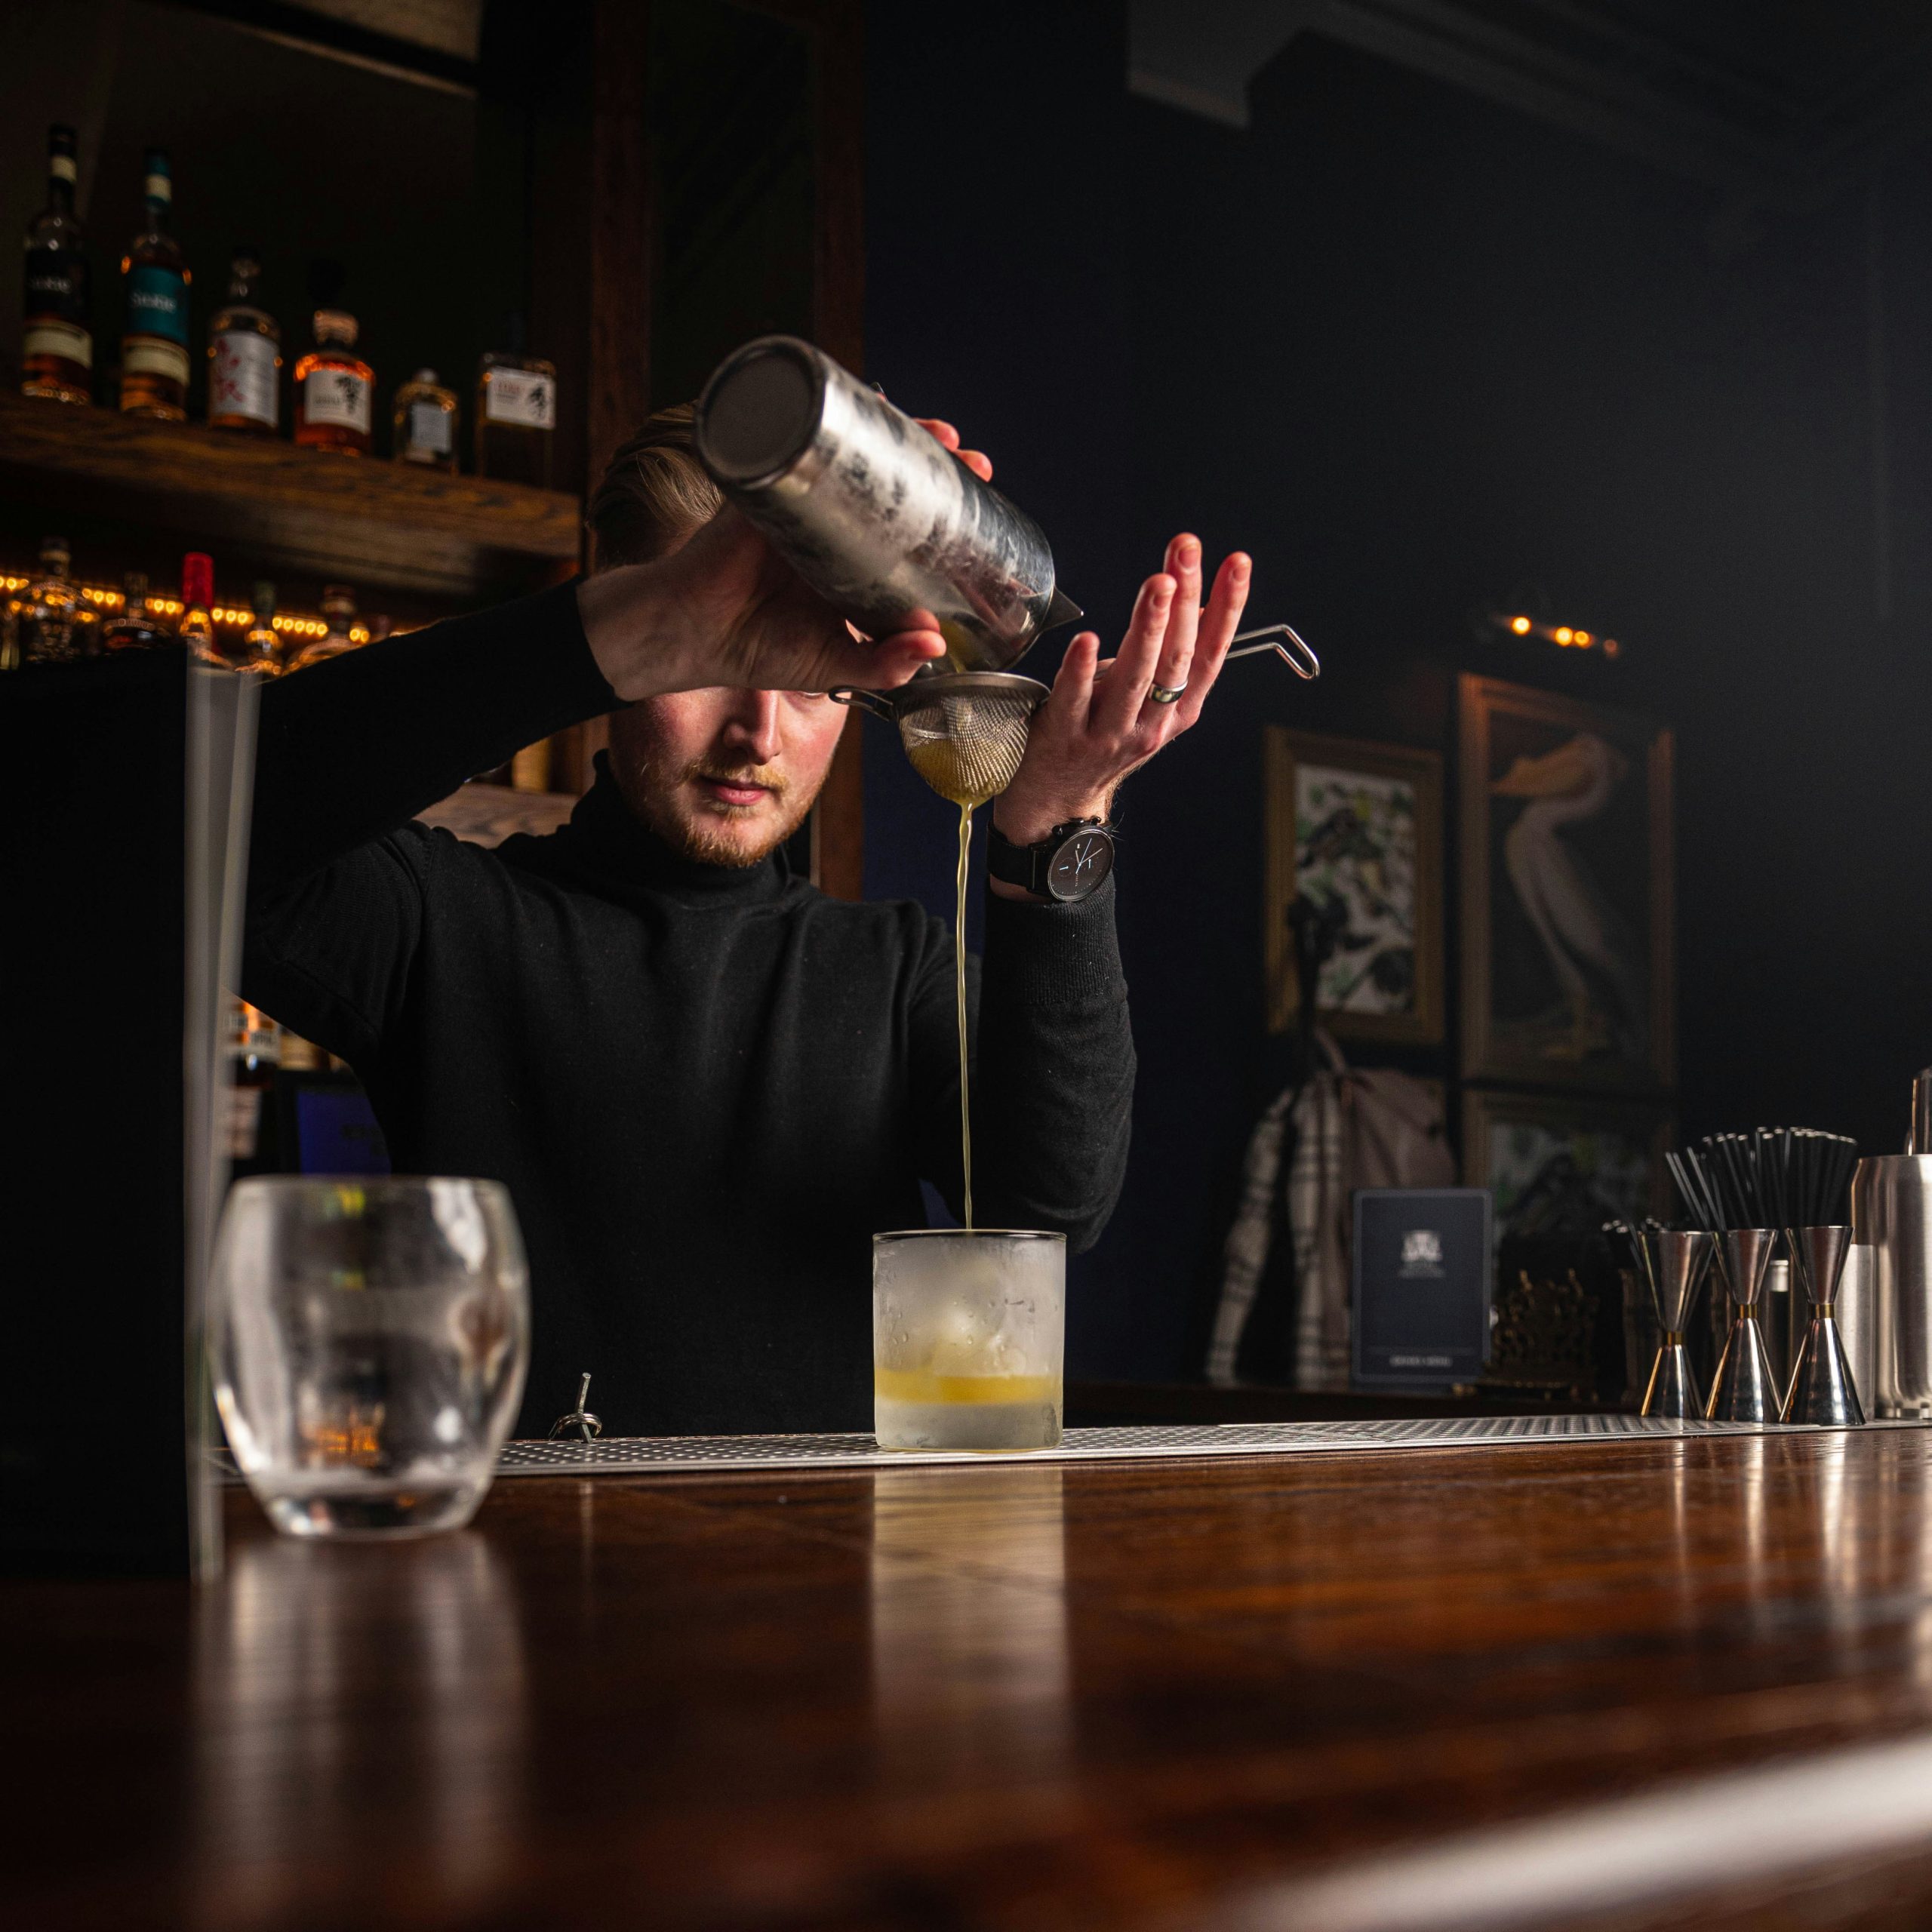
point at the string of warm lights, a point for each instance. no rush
(235, 617)
(1566, 636)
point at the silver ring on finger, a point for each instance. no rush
(1165, 694)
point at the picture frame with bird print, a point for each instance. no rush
(1568, 938)
(1356, 828)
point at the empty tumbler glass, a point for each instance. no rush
(369, 1339)
(969, 1331)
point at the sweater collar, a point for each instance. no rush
(607, 847)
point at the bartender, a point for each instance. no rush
(706, 1083)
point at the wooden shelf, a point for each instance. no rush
(369, 522)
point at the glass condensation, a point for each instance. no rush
(968, 1339)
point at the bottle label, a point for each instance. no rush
(429, 428)
(56, 287)
(244, 1124)
(336, 395)
(520, 396)
(158, 302)
(242, 381)
(62, 339)
(144, 355)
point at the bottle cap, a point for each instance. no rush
(246, 259)
(263, 600)
(197, 580)
(338, 597)
(62, 147)
(160, 184)
(427, 376)
(134, 586)
(336, 325)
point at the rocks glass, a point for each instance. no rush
(968, 1339)
(369, 1341)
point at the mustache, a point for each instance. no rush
(769, 777)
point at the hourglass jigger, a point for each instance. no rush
(1821, 1388)
(1744, 1390)
(1676, 1264)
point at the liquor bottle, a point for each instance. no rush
(334, 389)
(244, 355)
(196, 629)
(339, 608)
(57, 346)
(254, 1054)
(516, 413)
(49, 632)
(262, 648)
(426, 422)
(154, 344)
(136, 627)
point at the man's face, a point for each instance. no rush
(724, 776)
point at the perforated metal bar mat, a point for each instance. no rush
(685, 1454)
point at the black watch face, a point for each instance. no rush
(1080, 864)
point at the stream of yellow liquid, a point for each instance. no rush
(959, 980)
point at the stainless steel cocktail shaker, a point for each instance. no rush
(879, 519)
(1891, 1218)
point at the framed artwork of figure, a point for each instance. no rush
(1568, 929)
(1359, 827)
(1565, 1163)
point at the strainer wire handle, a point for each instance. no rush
(866, 700)
(1302, 660)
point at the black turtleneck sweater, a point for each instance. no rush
(705, 1088)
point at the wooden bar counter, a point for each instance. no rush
(1648, 1684)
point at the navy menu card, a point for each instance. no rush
(1422, 1268)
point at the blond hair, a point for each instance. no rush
(655, 492)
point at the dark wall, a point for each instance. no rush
(1413, 349)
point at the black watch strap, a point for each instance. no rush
(1069, 864)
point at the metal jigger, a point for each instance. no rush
(1744, 1389)
(1676, 1264)
(1821, 1388)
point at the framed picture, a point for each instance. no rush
(1568, 925)
(1360, 824)
(1556, 1163)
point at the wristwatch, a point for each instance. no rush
(1068, 864)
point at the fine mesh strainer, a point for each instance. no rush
(965, 731)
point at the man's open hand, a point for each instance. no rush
(1100, 723)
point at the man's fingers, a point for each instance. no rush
(1072, 695)
(977, 461)
(1219, 623)
(1177, 646)
(1118, 699)
(881, 666)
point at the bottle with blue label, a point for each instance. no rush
(154, 280)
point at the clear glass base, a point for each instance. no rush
(369, 1509)
(983, 1428)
